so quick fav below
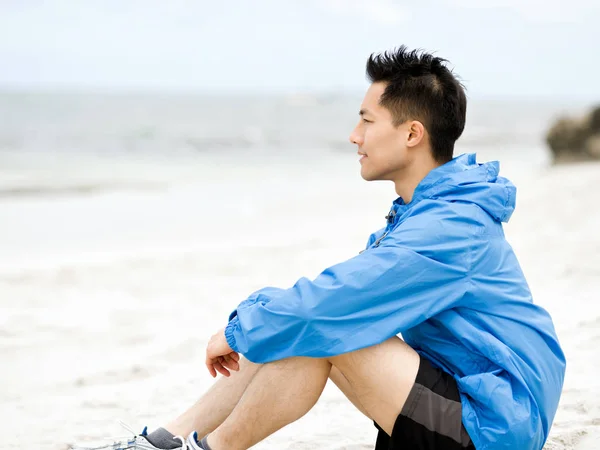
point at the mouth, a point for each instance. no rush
(362, 156)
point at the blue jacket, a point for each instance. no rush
(442, 274)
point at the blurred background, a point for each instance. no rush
(160, 161)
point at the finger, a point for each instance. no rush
(229, 363)
(224, 360)
(219, 368)
(211, 369)
(232, 364)
(210, 363)
(222, 370)
(235, 356)
(221, 360)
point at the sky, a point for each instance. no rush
(499, 48)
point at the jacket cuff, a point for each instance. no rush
(229, 330)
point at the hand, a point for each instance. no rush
(219, 355)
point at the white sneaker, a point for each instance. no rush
(137, 442)
(192, 442)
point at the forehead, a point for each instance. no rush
(370, 102)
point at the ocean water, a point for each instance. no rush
(132, 224)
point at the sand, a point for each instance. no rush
(107, 301)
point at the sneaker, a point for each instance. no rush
(137, 442)
(193, 442)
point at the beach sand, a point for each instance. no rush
(107, 301)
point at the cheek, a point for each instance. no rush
(381, 143)
(372, 137)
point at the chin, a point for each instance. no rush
(370, 176)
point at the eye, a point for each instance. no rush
(367, 121)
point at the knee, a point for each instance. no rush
(393, 345)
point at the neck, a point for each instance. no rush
(409, 179)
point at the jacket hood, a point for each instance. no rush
(464, 180)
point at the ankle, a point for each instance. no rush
(216, 442)
(211, 443)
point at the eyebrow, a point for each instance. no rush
(362, 112)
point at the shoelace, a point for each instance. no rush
(184, 444)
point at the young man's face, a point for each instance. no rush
(382, 146)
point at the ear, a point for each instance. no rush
(416, 133)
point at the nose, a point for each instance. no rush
(355, 137)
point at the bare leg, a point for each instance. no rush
(380, 378)
(282, 392)
(344, 385)
(216, 404)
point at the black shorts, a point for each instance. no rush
(431, 417)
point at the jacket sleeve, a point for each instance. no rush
(357, 303)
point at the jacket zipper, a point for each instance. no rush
(376, 243)
(390, 220)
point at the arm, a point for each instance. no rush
(357, 303)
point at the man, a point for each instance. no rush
(479, 365)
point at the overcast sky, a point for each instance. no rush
(498, 47)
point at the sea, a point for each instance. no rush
(132, 223)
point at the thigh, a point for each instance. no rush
(431, 417)
(381, 378)
(343, 385)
